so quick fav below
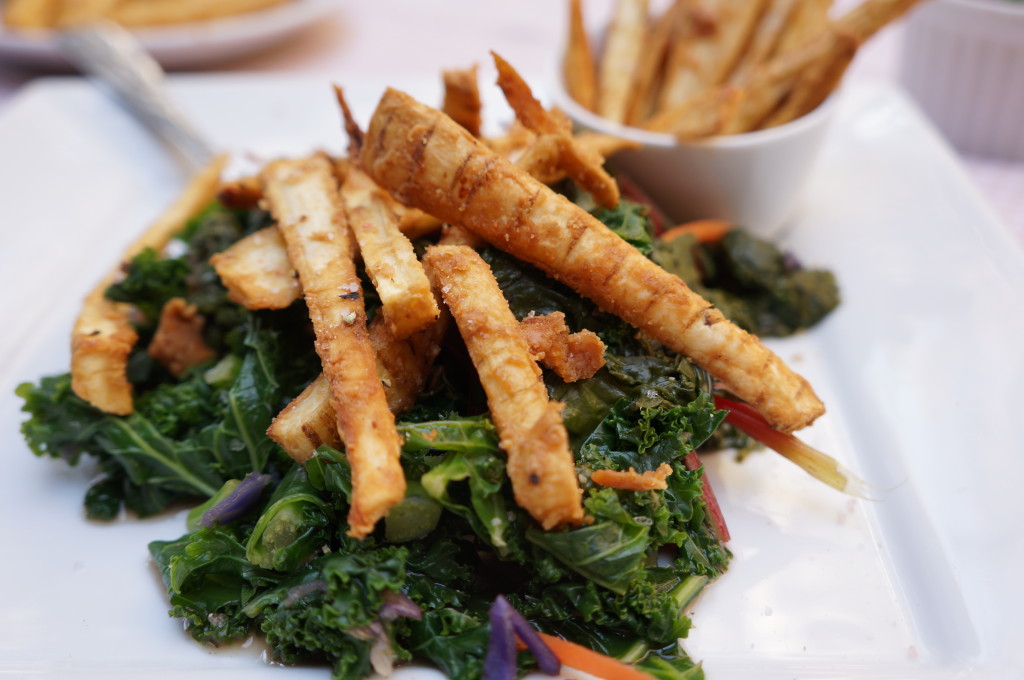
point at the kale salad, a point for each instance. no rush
(266, 551)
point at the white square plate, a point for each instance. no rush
(921, 368)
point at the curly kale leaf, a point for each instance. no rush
(183, 440)
(330, 609)
(752, 282)
(209, 581)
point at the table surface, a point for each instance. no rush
(385, 37)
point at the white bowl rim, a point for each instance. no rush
(665, 140)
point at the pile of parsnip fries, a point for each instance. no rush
(712, 67)
(44, 14)
(420, 172)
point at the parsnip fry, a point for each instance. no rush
(708, 114)
(711, 55)
(813, 86)
(462, 99)
(540, 465)
(643, 95)
(103, 335)
(402, 365)
(31, 13)
(573, 356)
(407, 303)
(623, 46)
(584, 167)
(303, 196)
(178, 342)
(307, 422)
(766, 37)
(807, 21)
(257, 273)
(427, 160)
(579, 70)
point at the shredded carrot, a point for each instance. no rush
(705, 231)
(631, 480)
(595, 663)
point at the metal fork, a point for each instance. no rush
(111, 57)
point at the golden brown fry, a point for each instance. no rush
(307, 422)
(631, 480)
(616, 66)
(871, 16)
(407, 303)
(31, 13)
(103, 335)
(257, 273)
(73, 12)
(643, 96)
(766, 36)
(352, 129)
(540, 465)
(579, 70)
(427, 160)
(710, 56)
(156, 12)
(303, 196)
(573, 356)
(604, 145)
(813, 86)
(402, 365)
(462, 99)
(808, 20)
(770, 83)
(706, 115)
(585, 168)
(178, 342)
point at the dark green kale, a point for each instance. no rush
(752, 282)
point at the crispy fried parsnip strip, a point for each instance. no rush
(303, 197)
(406, 300)
(708, 114)
(103, 335)
(462, 98)
(808, 20)
(769, 84)
(31, 13)
(540, 465)
(643, 95)
(573, 356)
(427, 160)
(257, 273)
(813, 86)
(631, 480)
(307, 422)
(178, 342)
(579, 70)
(709, 56)
(584, 167)
(623, 47)
(766, 36)
(402, 365)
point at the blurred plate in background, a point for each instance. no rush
(189, 45)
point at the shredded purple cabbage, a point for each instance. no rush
(398, 605)
(500, 661)
(506, 625)
(238, 502)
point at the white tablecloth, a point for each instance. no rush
(385, 37)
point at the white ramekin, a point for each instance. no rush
(753, 179)
(963, 62)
